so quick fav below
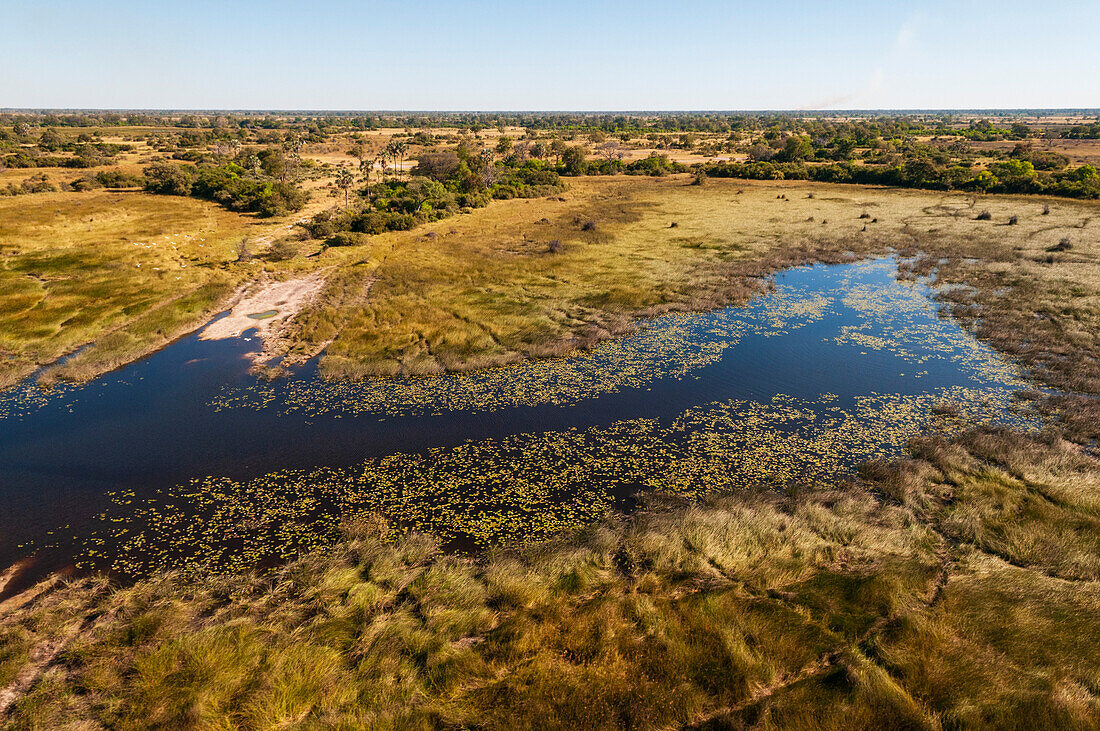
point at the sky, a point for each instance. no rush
(560, 55)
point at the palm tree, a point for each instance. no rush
(395, 151)
(366, 165)
(401, 148)
(382, 157)
(345, 179)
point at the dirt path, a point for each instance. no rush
(39, 658)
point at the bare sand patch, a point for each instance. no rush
(265, 306)
(11, 573)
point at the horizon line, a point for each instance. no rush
(288, 110)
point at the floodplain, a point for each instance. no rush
(679, 448)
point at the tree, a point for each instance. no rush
(344, 181)
(610, 150)
(366, 165)
(50, 140)
(440, 166)
(401, 148)
(168, 179)
(1086, 173)
(797, 147)
(395, 151)
(383, 156)
(573, 161)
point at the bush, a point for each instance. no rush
(984, 216)
(118, 179)
(283, 248)
(167, 179)
(86, 183)
(347, 238)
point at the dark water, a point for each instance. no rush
(151, 424)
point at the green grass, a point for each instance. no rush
(127, 271)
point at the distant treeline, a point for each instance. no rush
(970, 124)
(1010, 176)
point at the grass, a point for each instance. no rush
(126, 270)
(857, 607)
(955, 588)
(483, 289)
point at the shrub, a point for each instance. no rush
(347, 238)
(283, 248)
(119, 179)
(167, 179)
(88, 182)
(984, 216)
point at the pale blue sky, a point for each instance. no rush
(594, 55)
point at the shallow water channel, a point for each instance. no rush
(842, 359)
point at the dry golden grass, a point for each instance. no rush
(834, 609)
(126, 270)
(483, 289)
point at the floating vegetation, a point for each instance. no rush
(27, 396)
(901, 316)
(527, 486)
(898, 319)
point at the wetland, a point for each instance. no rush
(186, 459)
(548, 424)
